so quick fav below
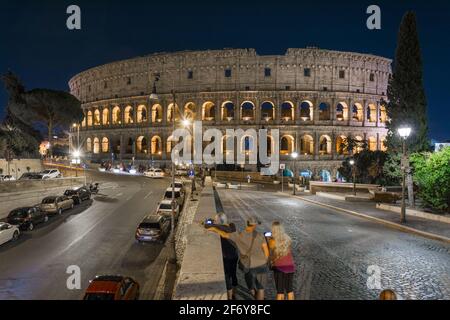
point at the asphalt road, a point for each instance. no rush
(333, 251)
(98, 237)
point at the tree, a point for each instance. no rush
(368, 166)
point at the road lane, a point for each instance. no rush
(333, 250)
(98, 237)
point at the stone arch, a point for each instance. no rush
(171, 111)
(141, 115)
(190, 111)
(267, 111)
(270, 145)
(341, 147)
(88, 145)
(96, 145)
(383, 114)
(89, 118)
(141, 145)
(170, 143)
(156, 145)
(306, 110)
(83, 122)
(248, 111)
(287, 111)
(208, 111)
(372, 112)
(383, 146)
(306, 145)
(129, 115)
(357, 112)
(157, 113)
(372, 143)
(105, 145)
(116, 115)
(324, 111)
(97, 121)
(359, 141)
(129, 146)
(228, 111)
(247, 144)
(287, 144)
(116, 145)
(324, 144)
(105, 116)
(341, 111)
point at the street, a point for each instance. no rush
(333, 250)
(98, 237)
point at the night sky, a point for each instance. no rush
(35, 43)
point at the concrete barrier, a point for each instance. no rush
(31, 192)
(201, 275)
(336, 187)
(415, 213)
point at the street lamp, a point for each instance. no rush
(294, 156)
(404, 133)
(352, 163)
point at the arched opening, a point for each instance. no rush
(116, 115)
(270, 145)
(306, 110)
(287, 111)
(372, 141)
(157, 113)
(97, 117)
(357, 112)
(129, 115)
(372, 113)
(324, 145)
(358, 144)
(88, 145)
(156, 147)
(89, 118)
(383, 146)
(129, 148)
(105, 116)
(341, 145)
(341, 111)
(324, 112)
(209, 111)
(105, 145)
(141, 145)
(190, 111)
(248, 111)
(116, 146)
(306, 145)
(383, 114)
(173, 112)
(247, 145)
(170, 143)
(228, 111)
(96, 145)
(267, 111)
(83, 123)
(325, 176)
(141, 115)
(287, 145)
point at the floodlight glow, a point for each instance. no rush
(404, 132)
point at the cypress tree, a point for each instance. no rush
(407, 104)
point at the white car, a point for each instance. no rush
(51, 174)
(165, 208)
(154, 173)
(7, 178)
(181, 172)
(179, 195)
(8, 232)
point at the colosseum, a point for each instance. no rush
(316, 98)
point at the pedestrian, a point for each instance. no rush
(230, 253)
(281, 261)
(249, 179)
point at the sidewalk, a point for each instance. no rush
(427, 228)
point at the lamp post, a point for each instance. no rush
(404, 133)
(294, 156)
(352, 163)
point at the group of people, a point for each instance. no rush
(255, 253)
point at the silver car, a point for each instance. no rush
(56, 204)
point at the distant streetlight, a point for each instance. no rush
(404, 133)
(186, 123)
(352, 163)
(294, 156)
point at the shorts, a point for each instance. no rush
(284, 282)
(256, 278)
(230, 266)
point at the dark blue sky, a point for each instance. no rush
(35, 43)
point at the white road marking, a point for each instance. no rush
(148, 194)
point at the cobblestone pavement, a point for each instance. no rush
(336, 254)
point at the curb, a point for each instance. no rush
(378, 220)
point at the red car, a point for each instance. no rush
(112, 288)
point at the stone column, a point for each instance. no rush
(316, 145)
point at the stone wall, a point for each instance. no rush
(19, 167)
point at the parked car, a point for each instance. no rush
(78, 195)
(31, 176)
(179, 185)
(179, 195)
(27, 218)
(181, 172)
(165, 209)
(112, 288)
(153, 229)
(57, 205)
(51, 174)
(154, 173)
(7, 178)
(8, 232)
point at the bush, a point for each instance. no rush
(432, 175)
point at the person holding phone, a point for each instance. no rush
(281, 261)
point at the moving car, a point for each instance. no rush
(7, 178)
(8, 232)
(57, 205)
(51, 174)
(153, 229)
(112, 288)
(78, 195)
(165, 209)
(31, 176)
(27, 218)
(179, 195)
(154, 173)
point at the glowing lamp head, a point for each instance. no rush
(352, 162)
(76, 154)
(404, 132)
(294, 155)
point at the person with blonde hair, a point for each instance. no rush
(281, 261)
